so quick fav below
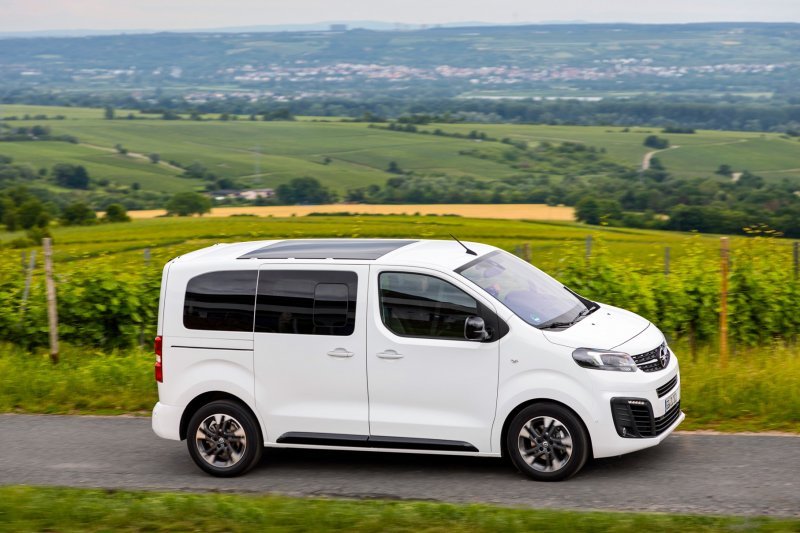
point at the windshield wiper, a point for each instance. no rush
(585, 312)
(554, 325)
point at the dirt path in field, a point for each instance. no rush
(649, 156)
(135, 155)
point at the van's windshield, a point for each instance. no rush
(531, 294)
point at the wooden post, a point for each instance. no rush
(147, 256)
(52, 313)
(666, 260)
(723, 307)
(588, 247)
(796, 254)
(526, 250)
(28, 275)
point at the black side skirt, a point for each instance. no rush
(372, 441)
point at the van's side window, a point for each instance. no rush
(221, 301)
(306, 302)
(417, 305)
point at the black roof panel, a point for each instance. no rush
(364, 249)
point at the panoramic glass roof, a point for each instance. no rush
(327, 249)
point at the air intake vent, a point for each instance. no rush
(633, 418)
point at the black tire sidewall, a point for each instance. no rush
(580, 441)
(255, 444)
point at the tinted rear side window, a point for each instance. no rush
(306, 302)
(221, 301)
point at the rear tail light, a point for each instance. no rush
(159, 369)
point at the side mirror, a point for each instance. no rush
(475, 329)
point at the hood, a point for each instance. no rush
(606, 328)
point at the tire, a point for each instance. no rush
(230, 453)
(547, 442)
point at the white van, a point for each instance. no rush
(401, 346)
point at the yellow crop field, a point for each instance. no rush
(501, 211)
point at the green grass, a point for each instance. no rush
(85, 381)
(756, 392)
(266, 154)
(60, 509)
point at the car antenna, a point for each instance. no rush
(470, 252)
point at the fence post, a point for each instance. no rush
(588, 247)
(666, 260)
(723, 308)
(52, 313)
(796, 254)
(28, 274)
(147, 256)
(526, 250)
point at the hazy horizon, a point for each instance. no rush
(181, 15)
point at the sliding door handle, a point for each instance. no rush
(389, 354)
(340, 352)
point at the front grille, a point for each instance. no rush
(654, 360)
(668, 386)
(633, 418)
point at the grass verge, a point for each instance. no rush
(757, 391)
(57, 509)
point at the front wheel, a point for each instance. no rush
(547, 442)
(223, 439)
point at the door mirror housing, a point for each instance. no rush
(475, 329)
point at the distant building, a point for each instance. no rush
(338, 27)
(257, 193)
(251, 195)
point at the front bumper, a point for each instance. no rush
(166, 421)
(606, 438)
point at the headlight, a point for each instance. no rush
(604, 360)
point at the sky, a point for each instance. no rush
(37, 15)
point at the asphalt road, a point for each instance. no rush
(689, 473)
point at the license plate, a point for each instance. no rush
(671, 400)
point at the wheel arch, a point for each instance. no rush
(207, 397)
(527, 403)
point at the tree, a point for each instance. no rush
(653, 141)
(305, 190)
(78, 214)
(724, 170)
(154, 158)
(587, 210)
(109, 112)
(71, 176)
(121, 149)
(32, 213)
(116, 213)
(394, 168)
(185, 204)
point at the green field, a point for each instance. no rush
(266, 154)
(549, 241)
(698, 154)
(60, 509)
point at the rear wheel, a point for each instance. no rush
(223, 439)
(547, 442)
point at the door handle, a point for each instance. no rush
(389, 354)
(340, 352)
